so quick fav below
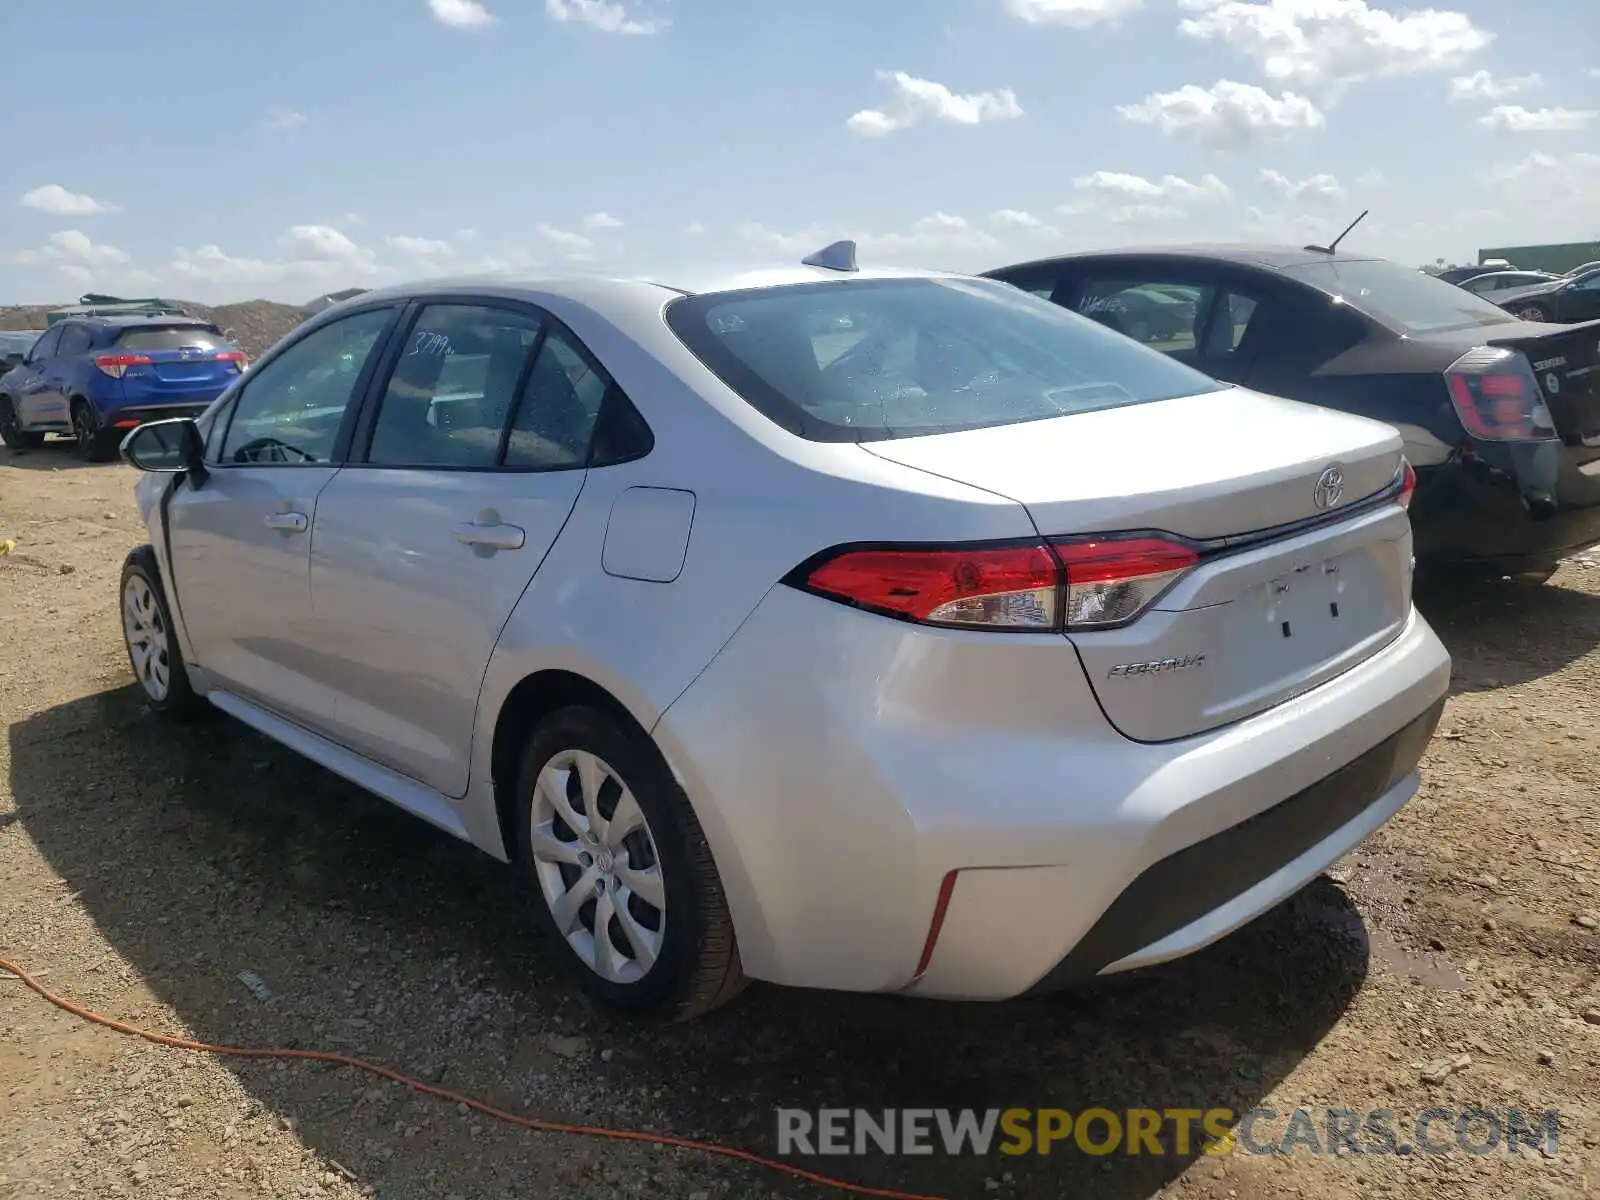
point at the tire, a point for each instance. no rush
(1531, 312)
(93, 443)
(682, 959)
(1533, 578)
(147, 626)
(11, 431)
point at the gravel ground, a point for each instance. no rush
(143, 868)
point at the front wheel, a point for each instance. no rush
(619, 870)
(1531, 312)
(11, 431)
(152, 645)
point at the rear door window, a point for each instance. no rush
(1164, 313)
(75, 339)
(45, 347)
(453, 388)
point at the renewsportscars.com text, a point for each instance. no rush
(1152, 1131)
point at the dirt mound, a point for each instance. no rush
(254, 324)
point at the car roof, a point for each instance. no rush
(690, 282)
(1270, 257)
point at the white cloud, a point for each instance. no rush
(1315, 188)
(461, 14)
(1513, 118)
(575, 244)
(1076, 14)
(1335, 41)
(1481, 85)
(1372, 180)
(1529, 184)
(316, 254)
(1015, 218)
(418, 247)
(695, 229)
(72, 246)
(608, 16)
(955, 240)
(283, 120)
(918, 100)
(56, 200)
(1227, 115)
(601, 220)
(1124, 199)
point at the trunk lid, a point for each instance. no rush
(1566, 362)
(1288, 593)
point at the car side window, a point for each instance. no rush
(1163, 313)
(555, 421)
(453, 387)
(1587, 283)
(1230, 322)
(1036, 283)
(75, 339)
(45, 347)
(291, 408)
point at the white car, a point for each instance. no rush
(883, 631)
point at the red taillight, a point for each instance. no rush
(1408, 482)
(1071, 584)
(997, 587)
(1497, 396)
(235, 357)
(116, 365)
(1110, 582)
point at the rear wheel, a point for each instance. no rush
(619, 871)
(94, 444)
(11, 431)
(1531, 312)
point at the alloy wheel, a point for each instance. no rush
(595, 857)
(146, 632)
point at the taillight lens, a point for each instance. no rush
(1076, 583)
(1408, 482)
(234, 357)
(1497, 396)
(116, 365)
(1111, 582)
(996, 588)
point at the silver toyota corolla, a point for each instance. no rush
(885, 631)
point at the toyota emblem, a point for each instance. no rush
(1330, 488)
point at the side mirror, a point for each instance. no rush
(171, 447)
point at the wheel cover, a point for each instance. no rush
(146, 634)
(595, 857)
(1532, 313)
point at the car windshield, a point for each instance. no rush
(1400, 297)
(171, 337)
(868, 360)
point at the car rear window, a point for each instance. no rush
(171, 337)
(860, 360)
(1400, 297)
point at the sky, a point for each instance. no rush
(285, 148)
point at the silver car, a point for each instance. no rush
(884, 631)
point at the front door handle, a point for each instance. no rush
(486, 533)
(289, 522)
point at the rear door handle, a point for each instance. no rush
(487, 534)
(289, 522)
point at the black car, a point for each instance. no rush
(1568, 298)
(1500, 417)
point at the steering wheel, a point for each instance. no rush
(270, 449)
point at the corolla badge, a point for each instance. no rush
(1330, 488)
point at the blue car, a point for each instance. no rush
(98, 377)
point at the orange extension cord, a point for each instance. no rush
(499, 1114)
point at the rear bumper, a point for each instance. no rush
(1548, 509)
(843, 766)
(132, 415)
